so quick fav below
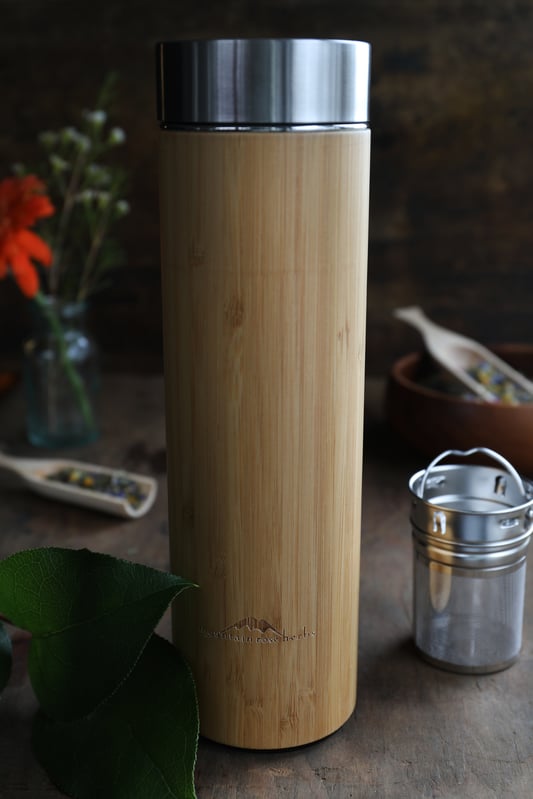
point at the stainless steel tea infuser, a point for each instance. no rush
(471, 526)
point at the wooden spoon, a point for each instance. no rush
(35, 473)
(457, 354)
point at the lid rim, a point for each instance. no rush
(429, 502)
(261, 81)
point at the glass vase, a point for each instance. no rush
(62, 376)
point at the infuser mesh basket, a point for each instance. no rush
(471, 526)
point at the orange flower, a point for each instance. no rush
(22, 202)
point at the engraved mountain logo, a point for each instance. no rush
(252, 624)
(251, 630)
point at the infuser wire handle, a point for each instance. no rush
(485, 451)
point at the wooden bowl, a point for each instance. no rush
(432, 421)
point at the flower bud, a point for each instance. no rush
(98, 175)
(57, 163)
(116, 136)
(95, 118)
(80, 140)
(87, 196)
(122, 208)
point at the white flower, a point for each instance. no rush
(92, 197)
(96, 118)
(122, 207)
(70, 134)
(80, 140)
(84, 144)
(57, 163)
(117, 136)
(98, 175)
(86, 196)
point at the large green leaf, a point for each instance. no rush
(90, 616)
(5, 657)
(141, 744)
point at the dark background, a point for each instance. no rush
(452, 164)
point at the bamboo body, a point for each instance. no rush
(264, 254)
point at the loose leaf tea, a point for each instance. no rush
(116, 484)
(503, 389)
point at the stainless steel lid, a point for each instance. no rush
(472, 515)
(263, 82)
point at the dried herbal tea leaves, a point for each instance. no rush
(117, 484)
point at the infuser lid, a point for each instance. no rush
(472, 503)
(263, 82)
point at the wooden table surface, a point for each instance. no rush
(417, 732)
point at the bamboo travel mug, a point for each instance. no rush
(264, 183)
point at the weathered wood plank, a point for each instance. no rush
(417, 731)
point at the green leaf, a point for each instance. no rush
(5, 657)
(90, 616)
(141, 744)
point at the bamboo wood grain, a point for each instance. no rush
(264, 249)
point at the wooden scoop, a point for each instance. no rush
(36, 473)
(457, 354)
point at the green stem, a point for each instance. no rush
(70, 370)
(96, 244)
(70, 195)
